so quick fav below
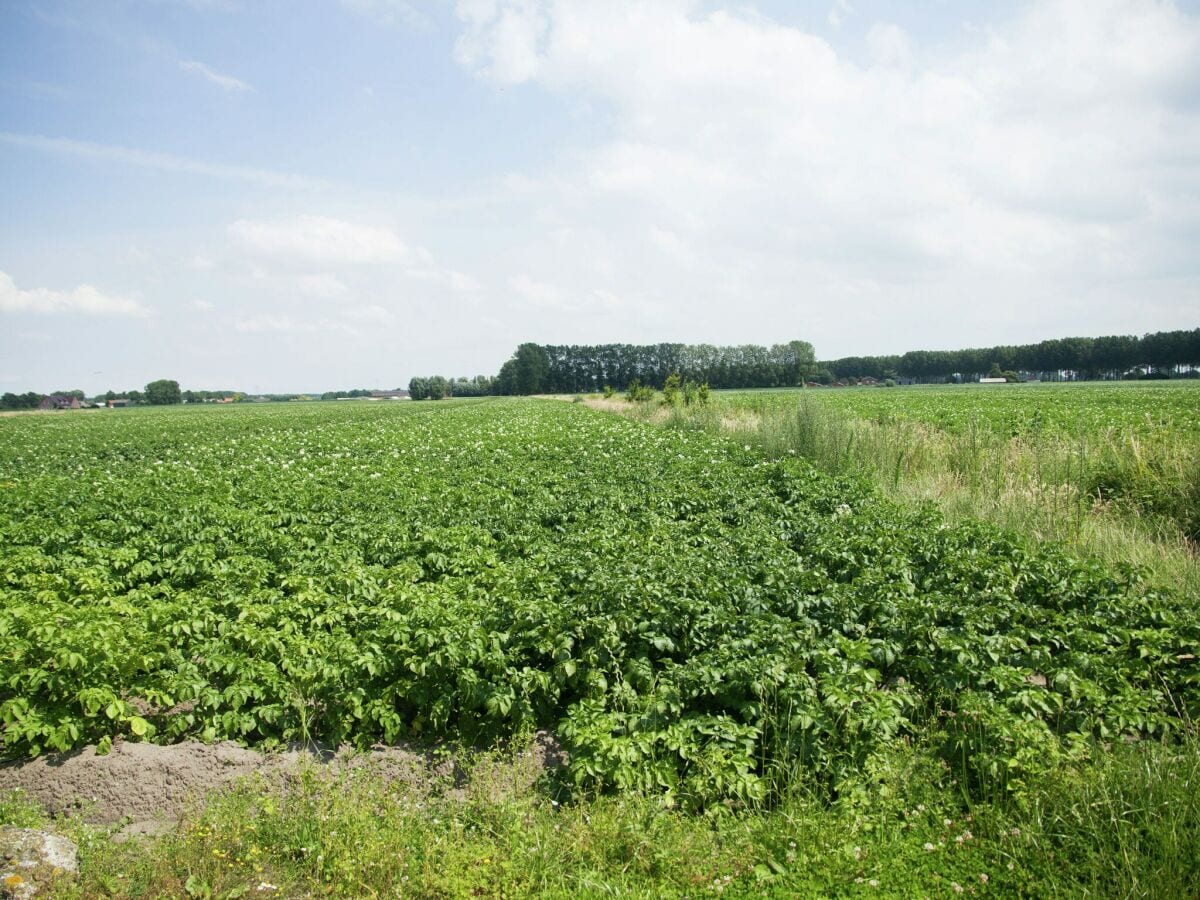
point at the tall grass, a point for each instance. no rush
(1126, 825)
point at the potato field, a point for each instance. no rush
(1153, 409)
(691, 617)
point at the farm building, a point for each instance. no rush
(59, 401)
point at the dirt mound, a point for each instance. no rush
(154, 783)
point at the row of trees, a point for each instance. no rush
(1111, 356)
(354, 394)
(30, 400)
(157, 393)
(437, 387)
(536, 369)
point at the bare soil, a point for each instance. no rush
(148, 784)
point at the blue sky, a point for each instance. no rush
(300, 196)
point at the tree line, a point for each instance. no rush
(162, 392)
(1111, 356)
(436, 387)
(559, 369)
(556, 368)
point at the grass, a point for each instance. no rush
(1114, 494)
(1126, 824)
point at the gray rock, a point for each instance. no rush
(33, 859)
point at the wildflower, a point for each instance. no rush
(266, 886)
(929, 848)
(874, 882)
(956, 887)
(983, 879)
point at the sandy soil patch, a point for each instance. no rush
(151, 783)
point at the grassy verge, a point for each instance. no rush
(1126, 824)
(1117, 497)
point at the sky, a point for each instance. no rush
(300, 196)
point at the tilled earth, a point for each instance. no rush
(149, 784)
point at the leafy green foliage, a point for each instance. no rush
(672, 390)
(690, 617)
(638, 392)
(163, 392)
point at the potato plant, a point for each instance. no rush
(690, 617)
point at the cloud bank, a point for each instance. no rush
(1045, 162)
(84, 300)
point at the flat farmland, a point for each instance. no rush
(689, 616)
(1109, 471)
(1150, 409)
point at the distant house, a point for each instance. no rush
(117, 402)
(868, 380)
(389, 395)
(59, 401)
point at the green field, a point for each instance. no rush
(1150, 409)
(708, 627)
(1104, 470)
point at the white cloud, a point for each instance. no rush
(164, 162)
(224, 82)
(84, 300)
(1052, 155)
(371, 315)
(889, 45)
(320, 239)
(322, 285)
(458, 282)
(309, 240)
(504, 40)
(269, 323)
(839, 12)
(542, 297)
(537, 293)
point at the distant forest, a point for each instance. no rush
(556, 368)
(536, 368)
(1115, 356)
